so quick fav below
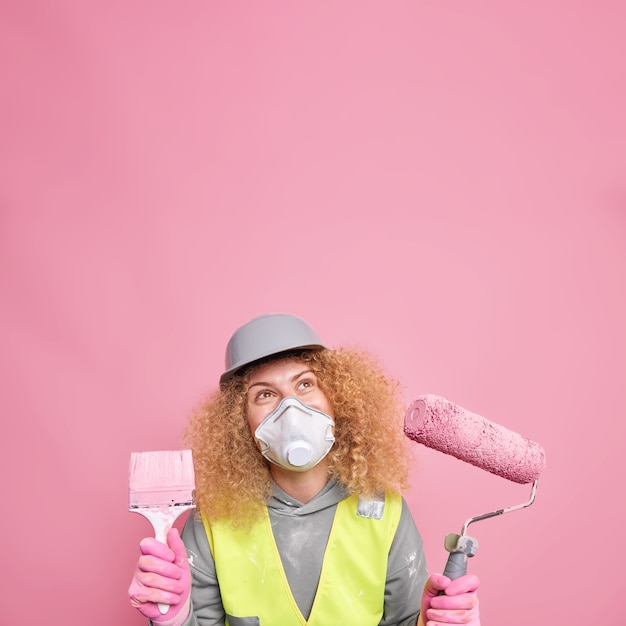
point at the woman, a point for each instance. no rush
(300, 459)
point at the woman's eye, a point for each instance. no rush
(263, 395)
(305, 384)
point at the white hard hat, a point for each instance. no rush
(265, 336)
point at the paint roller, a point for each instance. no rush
(443, 426)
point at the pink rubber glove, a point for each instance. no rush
(162, 575)
(459, 605)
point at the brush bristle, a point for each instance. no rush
(161, 478)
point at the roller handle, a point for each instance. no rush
(460, 547)
(456, 565)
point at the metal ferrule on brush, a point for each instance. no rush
(167, 497)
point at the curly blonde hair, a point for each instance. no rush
(370, 454)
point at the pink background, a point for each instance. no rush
(441, 183)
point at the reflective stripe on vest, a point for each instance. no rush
(352, 581)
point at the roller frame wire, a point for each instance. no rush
(509, 509)
(461, 547)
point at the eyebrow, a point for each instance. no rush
(291, 380)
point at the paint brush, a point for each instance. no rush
(161, 487)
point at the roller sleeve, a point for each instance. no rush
(443, 426)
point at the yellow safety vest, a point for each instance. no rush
(352, 581)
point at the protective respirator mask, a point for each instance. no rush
(295, 436)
